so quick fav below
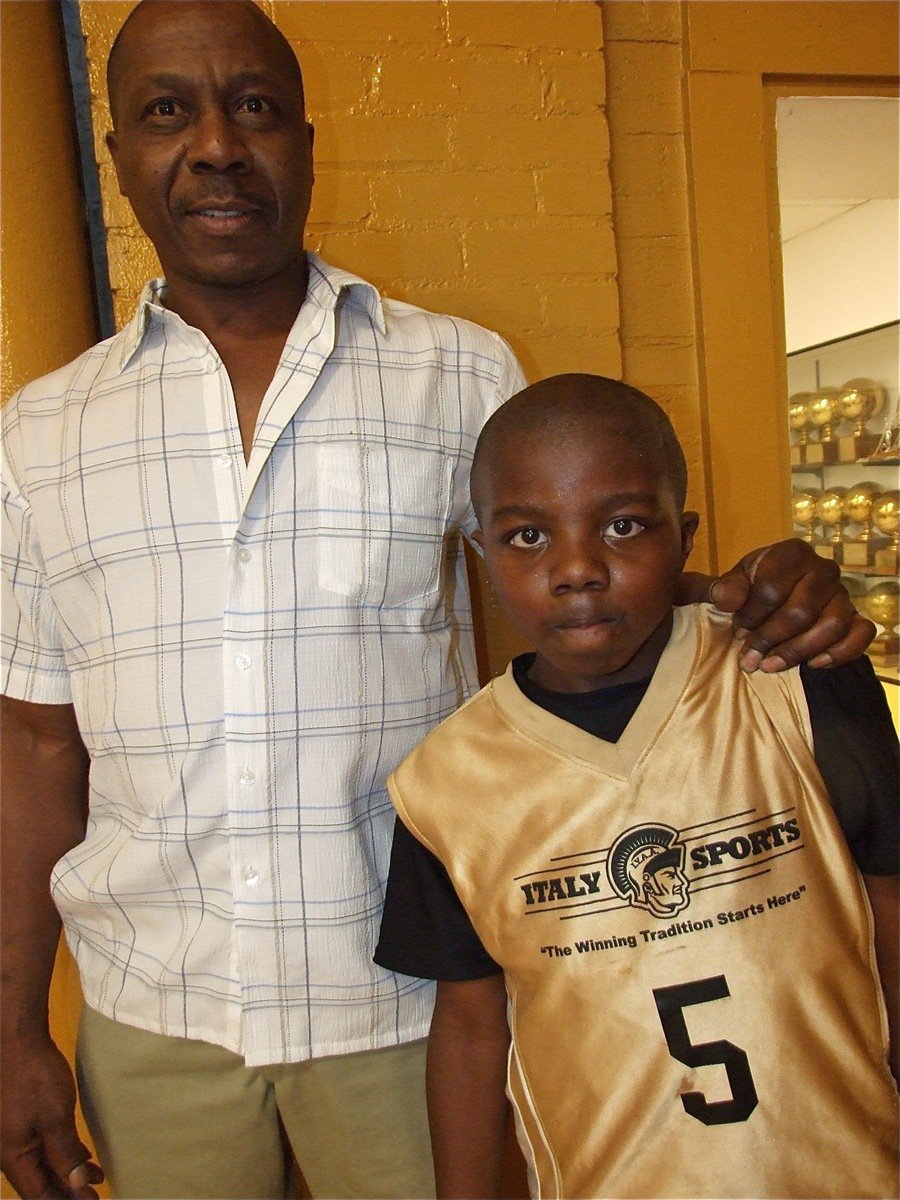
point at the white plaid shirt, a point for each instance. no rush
(249, 649)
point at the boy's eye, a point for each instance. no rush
(528, 537)
(623, 527)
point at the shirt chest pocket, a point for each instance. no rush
(384, 513)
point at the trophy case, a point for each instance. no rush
(845, 466)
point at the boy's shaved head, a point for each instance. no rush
(572, 406)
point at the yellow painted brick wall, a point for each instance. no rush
(462, 163)
(643, 48)
(43, 324)
(47, 315)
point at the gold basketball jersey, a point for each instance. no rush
(685, 938)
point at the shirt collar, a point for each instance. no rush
(326, 286)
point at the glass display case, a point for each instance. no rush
(845, 464)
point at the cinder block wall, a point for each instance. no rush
(644, 50)
(462, 163)
(43, 324)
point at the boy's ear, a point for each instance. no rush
(689, 523)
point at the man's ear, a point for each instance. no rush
(689, 523)
(311, 133)
(112, 145)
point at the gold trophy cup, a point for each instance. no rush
(803, 506)
(798, 419)
(886, 518)
(823, 412)
(859, 551)
(830, 511)
(883, 606)
(858, 400)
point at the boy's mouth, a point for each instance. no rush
(587, 620)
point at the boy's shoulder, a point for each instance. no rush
(448, 760)
(717, 648)
(459, 724)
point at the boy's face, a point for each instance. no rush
(583, 542)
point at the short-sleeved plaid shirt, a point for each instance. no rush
(250, 650)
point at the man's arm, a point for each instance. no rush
(44, 788)
(791, 604)
(884, 897)
(466, 1076)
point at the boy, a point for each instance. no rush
(649, 856)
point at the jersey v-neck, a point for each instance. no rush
(661, 694)
(604, 712)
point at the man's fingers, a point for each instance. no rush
(838, 636)
(70, 1162)
(29, 1176)
(80, 1179)
(840, 652)
(790, 588)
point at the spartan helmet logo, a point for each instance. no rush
(645, 867)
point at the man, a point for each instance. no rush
(235, 593)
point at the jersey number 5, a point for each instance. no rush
(670, 1001)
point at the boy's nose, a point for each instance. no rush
(578, 565)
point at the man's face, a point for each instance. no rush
(211, 145)
(583, 542)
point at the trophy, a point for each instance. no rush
(883, 606)
(830, 511)
(798, 419)
(886, 518)
(858, 400)
(803, 505)
(889, 443)
(858, 501)
(822, 410)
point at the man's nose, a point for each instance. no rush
(578, 563)
(217, 144)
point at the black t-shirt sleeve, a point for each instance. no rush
(425, 931)
(856, 751)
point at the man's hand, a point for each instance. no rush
(42, 1155)
(789, 606)
(44, 770)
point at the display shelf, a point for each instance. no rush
(845, 429)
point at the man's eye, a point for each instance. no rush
(623, 527)
(166, 107)
(255, 104)
(528, 537)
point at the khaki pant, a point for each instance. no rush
(173, 1118)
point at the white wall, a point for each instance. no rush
(842, 277)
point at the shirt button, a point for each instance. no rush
(247, 776)
(211, 366)
(244, 554)
(242, 662)
(251, 876)
(224, 462)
